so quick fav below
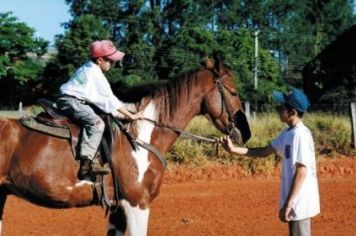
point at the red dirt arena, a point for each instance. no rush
(215, 200)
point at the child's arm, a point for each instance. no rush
(132, 116)
(251, 152)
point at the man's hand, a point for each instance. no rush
(286, 214)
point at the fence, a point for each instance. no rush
(353, 123)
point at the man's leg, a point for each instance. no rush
(299, 228)
(93, 129)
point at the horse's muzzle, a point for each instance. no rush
(241, 133)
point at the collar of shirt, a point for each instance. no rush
(300, 123)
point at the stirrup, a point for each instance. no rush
(84, 168)
(97, 169)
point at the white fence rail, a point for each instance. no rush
(353, 123)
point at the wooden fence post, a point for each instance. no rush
(353, 124)
(248, 112)
(20, 109)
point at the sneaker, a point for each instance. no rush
(84, 168)
(97, 169)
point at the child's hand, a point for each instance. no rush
(226, 143)
(137, 116)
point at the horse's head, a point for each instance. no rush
(222, 104)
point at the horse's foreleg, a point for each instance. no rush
(117, 223)
(137, 219)
(3, 195)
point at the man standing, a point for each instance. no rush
(299, 192)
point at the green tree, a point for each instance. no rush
(73, 51)
(162, 39)
(237, 47)
(310, 27)
(19, 68)
(130, 25)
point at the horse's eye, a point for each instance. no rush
(233, 93)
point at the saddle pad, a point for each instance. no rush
(47, 128)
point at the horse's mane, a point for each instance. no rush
(134, 94)
(166, 93)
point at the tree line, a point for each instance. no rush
(164, 38)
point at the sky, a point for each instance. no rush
(45, 16)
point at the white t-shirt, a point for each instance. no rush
(296, 145)
(90, 84)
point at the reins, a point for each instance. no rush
(184, 134)
(181, 132)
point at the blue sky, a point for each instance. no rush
(45, 16)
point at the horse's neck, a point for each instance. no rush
(181, 118)
(188, 108)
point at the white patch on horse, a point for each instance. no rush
(137, 219)
(144, 130)
(82, 183)
(111, 226)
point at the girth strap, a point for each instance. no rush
(137, 142)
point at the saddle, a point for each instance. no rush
(53, 122)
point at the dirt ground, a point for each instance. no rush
(215, 200)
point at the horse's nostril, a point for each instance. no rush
(236, 137)
(243, 126)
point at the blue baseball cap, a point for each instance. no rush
(295, 98)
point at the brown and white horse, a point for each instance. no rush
(42, 170)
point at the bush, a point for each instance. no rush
(332, 134)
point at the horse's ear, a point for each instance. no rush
(209, 63)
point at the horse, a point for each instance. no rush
(41, 168)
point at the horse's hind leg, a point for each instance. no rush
(3, 195)
(117, 223)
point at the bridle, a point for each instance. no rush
(225, 102)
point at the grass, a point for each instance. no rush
(332, 136)
(30, 110)
(10, 114)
